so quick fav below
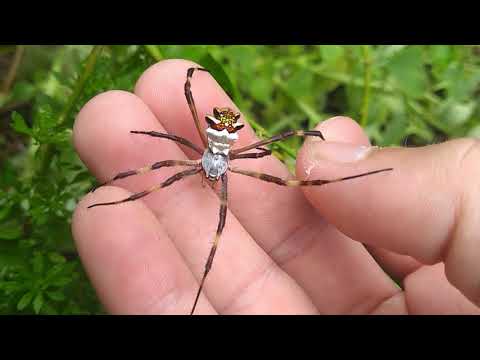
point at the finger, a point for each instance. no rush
(398, 266)
(282, 222)
(131, 261)
(345, 130)
(424, 208)
(242, 277)
(428, 292)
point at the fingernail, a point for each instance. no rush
(340, 152)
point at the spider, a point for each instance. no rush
(214, 165)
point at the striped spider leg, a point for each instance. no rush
(218, 234)
(178, 176)
(239, 154)
(294, 182)
(159, 164)
(191, 103)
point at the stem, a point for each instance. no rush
(366, 84)
(12, 71)
(46, 151)
(77, 90)
(154, 52)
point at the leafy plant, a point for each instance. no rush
(402, 95)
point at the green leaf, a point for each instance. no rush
(25, 301)
(56, 295)
(4, 210)
(10, 230)
(19, 124)
(38, 263)
(331, 54)
(300, 84)
(395, 131)
(408, 72)
(457, 114)
(261, 89)
(440, 57)
(188, 52)
(50, 310)
(23, 91)
(56, 258)
(46, 118)
(217, 71)
(38, 303)
(62, 281)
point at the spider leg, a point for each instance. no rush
(191, 102)
(221, 224)
(255, 155)
(145, 169)
(279, 137)
(178, 139)
(293, 182)
(166, 183)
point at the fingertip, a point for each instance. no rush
(169, 70)
(345, 142)
(104, 123)
(88, 118)
(343, 129)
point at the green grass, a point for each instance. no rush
(401, 95)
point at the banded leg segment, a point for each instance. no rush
(263, 152)
(169, 181)
(191, 103)
(221, 225)
(178, 139)
(293, 182)
(145, 169)
(278, 138)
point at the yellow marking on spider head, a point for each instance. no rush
(226, 119)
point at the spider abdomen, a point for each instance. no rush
(214, 165)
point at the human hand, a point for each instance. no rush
(280, 252)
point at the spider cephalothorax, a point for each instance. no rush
(224, 119)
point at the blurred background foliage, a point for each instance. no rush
(402, 95)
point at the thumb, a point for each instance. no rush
(425, 207)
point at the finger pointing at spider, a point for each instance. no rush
(279, 253)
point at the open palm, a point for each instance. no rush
(278, 253)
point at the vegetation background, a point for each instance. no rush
(402, 95)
